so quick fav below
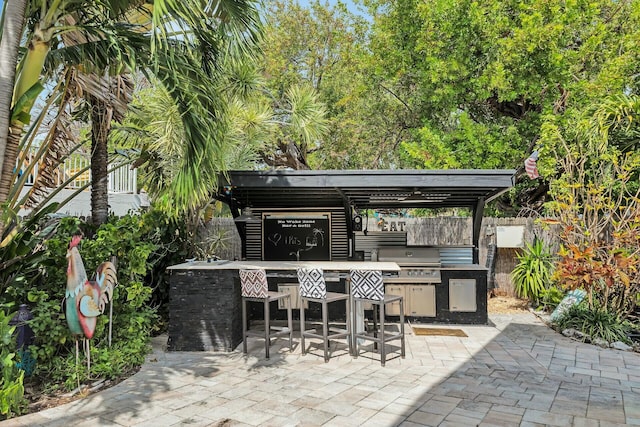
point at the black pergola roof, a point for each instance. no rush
(365, 189)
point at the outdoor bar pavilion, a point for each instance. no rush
(286, 218)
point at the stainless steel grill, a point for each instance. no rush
(417, 265)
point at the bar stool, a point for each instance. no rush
(313, 288)
(367, 286)
(256, 289)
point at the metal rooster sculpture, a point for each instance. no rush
(86, 299)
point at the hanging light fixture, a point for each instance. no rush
(246, 216)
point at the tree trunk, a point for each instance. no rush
(100, 127)
(12, 26)
(9, 155)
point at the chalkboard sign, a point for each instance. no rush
(294, 237)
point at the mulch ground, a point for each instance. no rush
(502, 304)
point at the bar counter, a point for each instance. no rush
(340, 266)
(205, 299)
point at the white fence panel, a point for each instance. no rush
(121, 180)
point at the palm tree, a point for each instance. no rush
(179, 41)
(102, 112)
(10, 32)
(301, 119)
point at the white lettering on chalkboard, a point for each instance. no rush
(296, 223)
(291, 240)
(275, 238)
(297, 238)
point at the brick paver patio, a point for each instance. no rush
(514, 372)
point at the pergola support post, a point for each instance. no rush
(478, 212)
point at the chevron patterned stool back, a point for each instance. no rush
(367, 284)
(312, 283)
(254, 283)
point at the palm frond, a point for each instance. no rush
(308, 114)
(115, 47)
(619, 112)
(59, 143)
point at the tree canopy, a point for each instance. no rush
(461, 83)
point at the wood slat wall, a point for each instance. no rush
(339, 242)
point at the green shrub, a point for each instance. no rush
(595, 322)
(532, 274)
(143, 244)
(128, 240)
(551, 297)
(11, 383)
(22, 255)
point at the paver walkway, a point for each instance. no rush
(514, 372)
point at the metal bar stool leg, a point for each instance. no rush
(244, 326)
(290, 322)
(349, 325)
(402, 352)
(302, 327)
(375, 325)
(267, 328)
(381, 335)
(325, 330)
(354, 327)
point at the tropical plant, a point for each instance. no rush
(597, 203)
(532, 275)
(312, 69)
(11, 381)
(21, 257)
(11, 25)
(179, 42)
(551, 297)
(300, 122)
(595, 322)
(139, 243)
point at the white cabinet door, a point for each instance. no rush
(462, 295)
(421, 300)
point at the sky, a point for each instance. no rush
(350, 5)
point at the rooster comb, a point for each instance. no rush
(74, 241)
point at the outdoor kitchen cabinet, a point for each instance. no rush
(462, 298)
(419, 299)
(393, 309)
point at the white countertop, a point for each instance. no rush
(462, 267)
(287, 265)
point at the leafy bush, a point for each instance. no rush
(596, 202)
(551, 297)
(22, 253)
(140, 243)
(532, 274)
(595, 322)
(11, 382)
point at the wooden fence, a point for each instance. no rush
(441, 231)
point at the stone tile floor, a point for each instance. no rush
(514, 372)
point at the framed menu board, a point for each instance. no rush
(296, 236)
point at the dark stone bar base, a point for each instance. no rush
(204, 310)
